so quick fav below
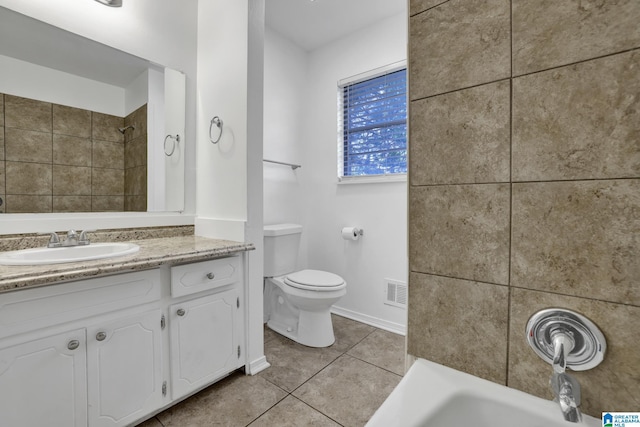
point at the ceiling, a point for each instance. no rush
(313, 23)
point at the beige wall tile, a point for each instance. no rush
(27, 146)
(135, 181)
(460, 324)
(1, 109)
(135, 203)
(549, 33)
(458, 44)
(578, 122)
(2, 178)
(135, 152)
(71, 121)
(612, 385)
(108, 155)
(71, 180)
(71, 150)
(107, 203)
(417, 6)
(105, 127)
(107, 182)
(28, 114)
(1, 142)
(28, 178)
(460, 231)
(137, 119)
(18, 203)
(578, 238)
(461, 137)
(71, 203)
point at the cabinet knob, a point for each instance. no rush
(100, 336)
(211, 276)
(73, 344)
(180, 312)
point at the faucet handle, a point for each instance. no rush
(54, 240)
(563, 343)
(84, 240)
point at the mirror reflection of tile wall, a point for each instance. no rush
(55, 158)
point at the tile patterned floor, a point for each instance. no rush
(341, 385)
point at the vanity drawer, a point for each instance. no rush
(30, 309)
(189, 279)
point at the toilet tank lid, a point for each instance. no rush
(282, 229)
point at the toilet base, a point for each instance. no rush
(314, 329)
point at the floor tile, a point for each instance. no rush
(291, 412)
(234, 401)
(348, 332)
(348, 391)
(152, 422)
(383, 349)
(269, 334)
(292, 364)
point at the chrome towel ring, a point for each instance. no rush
(218, 122)
(174, 140)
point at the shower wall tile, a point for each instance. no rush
(71, 121)
(27, 113)
(578, 122)
(18, 203)
(107, 203)
(459, 323)
(1, 109)
(612, 385)
(549, 33)
(135, 203)
(135, 152)
(28, 178)
(108, 155)
(460, 231)
(578, 238)
(104, 127)
(71, 203)
(458, 44)
(2, 145)
(461, 137)
(137, 119)
(71, 181)
(417, 6)
(107, 182)
(28, 146)
(71, 150)
(135, 181)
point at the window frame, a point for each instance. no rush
(358, 78)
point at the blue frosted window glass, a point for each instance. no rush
(375, 126)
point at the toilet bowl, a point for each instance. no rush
(298, 305)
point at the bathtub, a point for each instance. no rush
(434, 395)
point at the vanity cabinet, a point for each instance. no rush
(43, 382)
(112, 350)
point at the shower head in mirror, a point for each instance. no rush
(112, 3)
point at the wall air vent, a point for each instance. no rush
(395, 293)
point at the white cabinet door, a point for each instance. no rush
(203, 343)
(44, 382)
(125, 369)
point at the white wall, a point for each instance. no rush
(161, 31)
(301, 85)
(285, 82)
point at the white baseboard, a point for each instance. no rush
(257, 366)
(396, 328)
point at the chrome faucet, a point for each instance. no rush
(567, 393)
(72, 239)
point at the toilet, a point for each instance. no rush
(297, 304)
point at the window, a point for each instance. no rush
(373, 123)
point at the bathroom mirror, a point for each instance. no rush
(85, 127)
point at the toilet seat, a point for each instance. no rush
(315, 280)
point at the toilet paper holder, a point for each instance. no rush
(352, 233)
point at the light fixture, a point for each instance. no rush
(112, 3)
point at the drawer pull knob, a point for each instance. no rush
(100, 336)
(211, 276)
(73, 344)
(181, 312)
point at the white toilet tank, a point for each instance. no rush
(281, 245)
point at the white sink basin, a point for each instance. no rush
(41, 256)
(432, 395)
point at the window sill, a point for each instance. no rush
(372, 179)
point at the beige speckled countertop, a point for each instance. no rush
(152, 253)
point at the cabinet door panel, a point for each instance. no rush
(203, 343)
(44, 383)
(125, 369)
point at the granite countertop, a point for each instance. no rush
(152, 253)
